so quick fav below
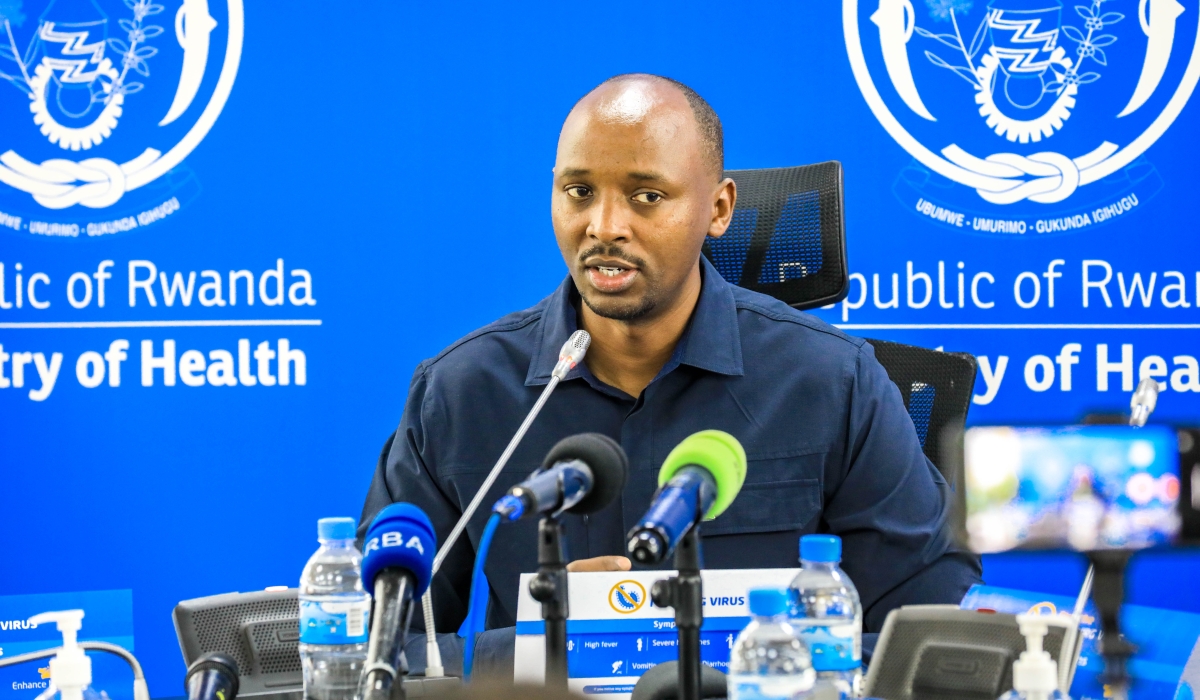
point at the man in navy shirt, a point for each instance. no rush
(675, 349)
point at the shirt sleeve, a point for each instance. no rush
(892, 507)
(405, 473)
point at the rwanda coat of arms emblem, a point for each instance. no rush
(101, 101)
(1025, 103)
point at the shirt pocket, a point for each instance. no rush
(779, 494)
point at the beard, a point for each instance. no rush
(620, 309)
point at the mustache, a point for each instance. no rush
(610, 250)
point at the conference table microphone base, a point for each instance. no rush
(550, 589)
(685, 593)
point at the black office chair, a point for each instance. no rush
(788, 236)
(788, 240)
(937, 389)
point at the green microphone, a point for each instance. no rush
(698, 481)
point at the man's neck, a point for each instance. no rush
(628, 355)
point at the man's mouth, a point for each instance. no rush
(610, 276)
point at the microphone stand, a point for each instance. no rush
(1108, 592)
(572, 353)
(550, 589)
(383, 677)
(685, 593)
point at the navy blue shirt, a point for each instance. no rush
(830, 449)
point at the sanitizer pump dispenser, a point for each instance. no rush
(70, 669)
(1035, 675)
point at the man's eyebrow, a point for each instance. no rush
(645, 176)
(635, 175)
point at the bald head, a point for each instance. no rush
(633, 98)
(638, 187)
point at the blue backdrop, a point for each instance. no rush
(382, 171)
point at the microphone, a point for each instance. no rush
(213, 676)
(569, 357)
(572, 353)
(581, 474)
(1145, 398)
(397, 567)
(698, 481)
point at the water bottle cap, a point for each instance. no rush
(825, 548)
(335, 529)
(768, 602)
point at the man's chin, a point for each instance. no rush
(620, 309)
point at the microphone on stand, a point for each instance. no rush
(581, 474)
(213, 676)
(569, 356)
(698, 481)
(1142, 404)
(397, 566)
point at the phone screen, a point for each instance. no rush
(1077, 487)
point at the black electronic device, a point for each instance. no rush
(937, 652)
(259, 632)
(1085, 487)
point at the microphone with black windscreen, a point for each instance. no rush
(213, 676)
(397, 567)
(582, 474)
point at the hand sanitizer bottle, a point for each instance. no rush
(1035, 675)
(70, 669)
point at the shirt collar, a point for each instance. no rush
(711, 341)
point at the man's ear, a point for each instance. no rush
(724, 199)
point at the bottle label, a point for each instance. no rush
(754, 687)
(334, 622)
(833, 647)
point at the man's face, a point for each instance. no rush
(633, 198)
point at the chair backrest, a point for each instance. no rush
(937, 388)
(788, 235)
(788, 240)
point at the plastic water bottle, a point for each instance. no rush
(334, 610)
(826, 612)
(768, 661)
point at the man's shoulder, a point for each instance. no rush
(766, 312)
(497, 342)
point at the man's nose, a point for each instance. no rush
(610, 220)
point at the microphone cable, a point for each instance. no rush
(571, 354)
(432, 652)
(478, 600)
